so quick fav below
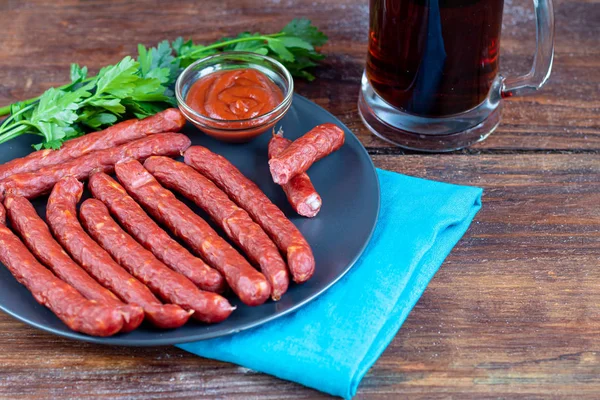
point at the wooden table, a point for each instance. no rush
(515, 309)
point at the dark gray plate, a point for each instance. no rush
(347, 183)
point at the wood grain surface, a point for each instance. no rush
(514, 312)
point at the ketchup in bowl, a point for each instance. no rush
(235, 96)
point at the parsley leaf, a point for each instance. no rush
(291, 41)
(180, 47)
(100, 119)
(280, 49)
(119, 79)
(78, 74)
(158, 62)
(303, 29)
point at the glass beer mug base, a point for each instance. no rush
(429, 134)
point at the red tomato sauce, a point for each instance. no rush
(234, 94)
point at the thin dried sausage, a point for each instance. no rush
(299, 191)
(34, 184)
(139, 225)
(78, 313)
(319, 142)
(61, 215)
(236, 222)
(248, 284)
(37, 237)
(169, 285)
(170, 120)
(247, 195)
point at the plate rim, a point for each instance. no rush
(116, 341)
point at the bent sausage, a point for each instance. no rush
(248, 196)
(37, 237)
(299, 191)
(170, 120)
(236, 222)
(34, 184)
(78, 313)
(319, 142)
(169, 285)
(61, 215)
(248, 284)
(135, 221)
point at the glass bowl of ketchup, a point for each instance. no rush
(234, 96)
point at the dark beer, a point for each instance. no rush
(434, 57)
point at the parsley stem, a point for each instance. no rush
(5, 123)
(12, 133)
(228, 42)
(6, 109)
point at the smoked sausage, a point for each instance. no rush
(247, 195)
(37, 237)
(61, 215)
(139, 225)
(236, 222)
(248, 284)
(170, 120)
(169, 285)
(299, 191)
(319, 142)
(78, 313)
(34, 184)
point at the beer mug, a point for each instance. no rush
(431, 81)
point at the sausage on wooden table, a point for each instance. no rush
(139, 225)
(169, 285)
(236, 222)
(299, 191)
(170, 120)
(319, 142)
(37, 237)
(34, 184)
(78, 313)
(61, 215)
(248, 284)
(247, 195)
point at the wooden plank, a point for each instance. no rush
(514, 312)
(42, 39)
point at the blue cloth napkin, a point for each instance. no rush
(332, 342)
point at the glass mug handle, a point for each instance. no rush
(544, 54)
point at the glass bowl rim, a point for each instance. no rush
(208, 121)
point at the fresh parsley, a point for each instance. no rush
(144, 86)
